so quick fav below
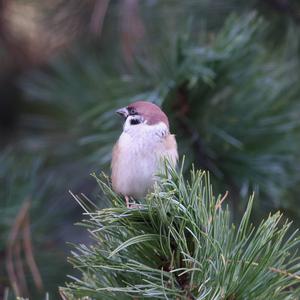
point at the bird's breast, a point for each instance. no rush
(136, 163)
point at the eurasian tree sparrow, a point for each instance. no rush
(140, 149)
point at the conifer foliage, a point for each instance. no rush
(227, 75)
(232, 103)
(181, 244)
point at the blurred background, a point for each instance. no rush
(226, 72)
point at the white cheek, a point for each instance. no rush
(127, 125)
(143, 130)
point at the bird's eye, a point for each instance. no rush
(132, 111)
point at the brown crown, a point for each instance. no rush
(150, 112)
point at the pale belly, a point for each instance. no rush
(137, 178)
(136, 167)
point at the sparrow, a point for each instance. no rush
(139, 152)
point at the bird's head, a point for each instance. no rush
(143, 112)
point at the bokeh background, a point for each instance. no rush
(226, 72)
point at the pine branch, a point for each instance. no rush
(181, 244)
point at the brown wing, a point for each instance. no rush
(171, 149)
(114, 163)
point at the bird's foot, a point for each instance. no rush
(131, 204)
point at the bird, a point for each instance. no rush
(141, 148)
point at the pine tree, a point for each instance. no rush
(229, 87)
(181, 244)
(233, 105)
(168, 251)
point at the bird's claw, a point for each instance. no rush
(131, 205)
(134, 205)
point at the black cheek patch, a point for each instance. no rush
(135, 122)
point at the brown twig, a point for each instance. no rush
(14, 264)
(27, 243)
(219, 203)
(218, 206)
(274, 270)
(12, 240)
(282, 272)
(20, 273)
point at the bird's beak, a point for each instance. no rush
(122, 112)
